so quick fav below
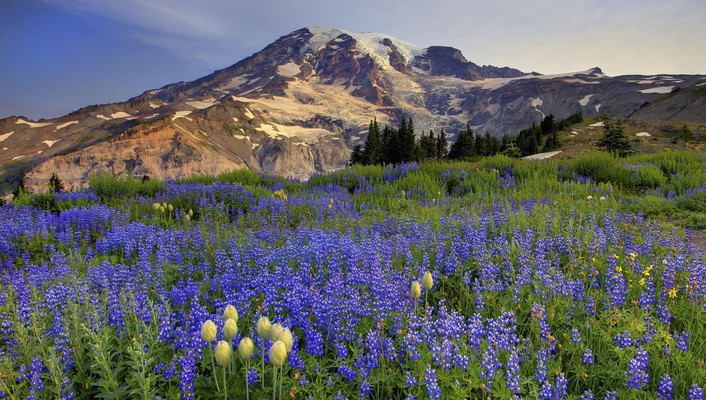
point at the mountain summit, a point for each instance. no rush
(298, 106)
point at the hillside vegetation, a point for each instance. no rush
(488, 279)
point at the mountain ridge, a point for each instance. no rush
(299, 105)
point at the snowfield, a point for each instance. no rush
(33, 124)
(542, 156)
(50, 143)
(658, 90)
(4, 136)
(64, 125)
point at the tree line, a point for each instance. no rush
(396, 145)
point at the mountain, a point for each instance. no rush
(298, 107)
(680, 105)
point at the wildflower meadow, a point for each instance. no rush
(496, 279)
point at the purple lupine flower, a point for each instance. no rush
(587, 357)
(409, 380)
(682, 341)
(666, 386)
(576, 335)
(513, 372)
(637, 370)
(187, 375)
(545, 392)
(611, 395)
(365, 389)
(252, 377)
(695, 392)
(587, 395)
(432, 385)
(560, 387)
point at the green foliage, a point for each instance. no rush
(112, 189)
(615, 141)
(55, 184)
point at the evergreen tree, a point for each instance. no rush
(55, 184)
(373, 151)
(407, 141)
(509, 147)
(441, 145)
(427, 146)
(480, 148)
(356, 155)
(390, 145)
(20, 189)
(548, 126)
(615, 140)
(464, 145)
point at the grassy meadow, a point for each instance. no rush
(494, 279)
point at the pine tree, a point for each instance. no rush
(464, 146)
(441, 145)
(427, 146)
(390, 145)
(615, 140)
(373, 151)
(55, 184)
(356, 155)
(407, 141)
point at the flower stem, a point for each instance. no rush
(225, 388)
(213, 367)
(274, 382)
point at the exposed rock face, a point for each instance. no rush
(298, 106)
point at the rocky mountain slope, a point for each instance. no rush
(681, 105)
(298, 106)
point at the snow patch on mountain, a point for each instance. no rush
(203, 104)
(536, 102)
(181, 114)
(370, 43)
(5, 136)
(584, 101)
(289, 70)
(33, 124)
(103, 117)
(658, 90)
(120, 114)
(64, 125)
(50, 143)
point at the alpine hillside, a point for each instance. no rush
(300, 105)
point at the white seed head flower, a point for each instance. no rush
(208, 331)
(263, 327)
(278, 354)
(287, 338)
(416, 290)
(230, 329)
(246, 347)
(427, 281)
(230, 313)
(275, 331)
(223, 353)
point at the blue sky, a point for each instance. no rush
(57, 56)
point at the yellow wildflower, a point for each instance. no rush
(672, 292)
